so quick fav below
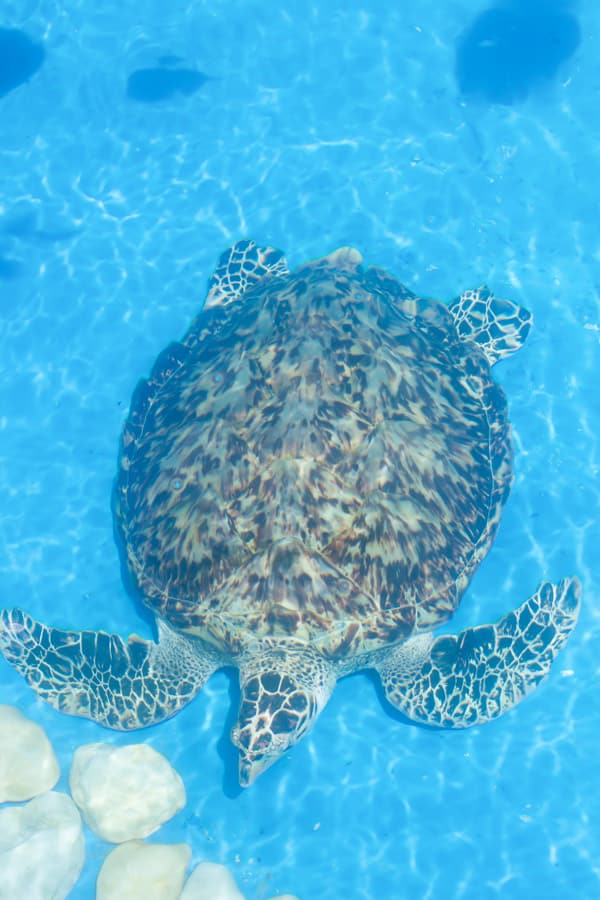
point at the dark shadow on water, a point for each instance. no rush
(225, 749)
(10, 269)
(164, 81)
(390, 710)
(128, 581)
(22, 224)
(513, 46)
(20, 58)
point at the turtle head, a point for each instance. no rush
(282, 693)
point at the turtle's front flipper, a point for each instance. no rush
(466, 679)
(500, 327)
(123, 685)
(240, 267)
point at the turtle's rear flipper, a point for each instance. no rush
(123, 685)
(500, 327)
(466, 679)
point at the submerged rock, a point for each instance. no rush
(140, 871)
(28, 764)
(211, 881)
(41, 848)
(124, 792)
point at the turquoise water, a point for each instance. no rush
(321, 125)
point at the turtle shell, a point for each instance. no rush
(322, 459)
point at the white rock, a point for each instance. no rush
(124, 792)
(284, 897)
(41, 848)
(211, 881)
(140, 871)
(28, 765)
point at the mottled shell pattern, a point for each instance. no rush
(321, 457)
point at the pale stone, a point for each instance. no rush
(211, 881)
(284, 897)
(28, 765)
(41, 848)
(124, 792)
(140, 871)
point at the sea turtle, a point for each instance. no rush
(307, 483)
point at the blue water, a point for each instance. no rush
(320, 125)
